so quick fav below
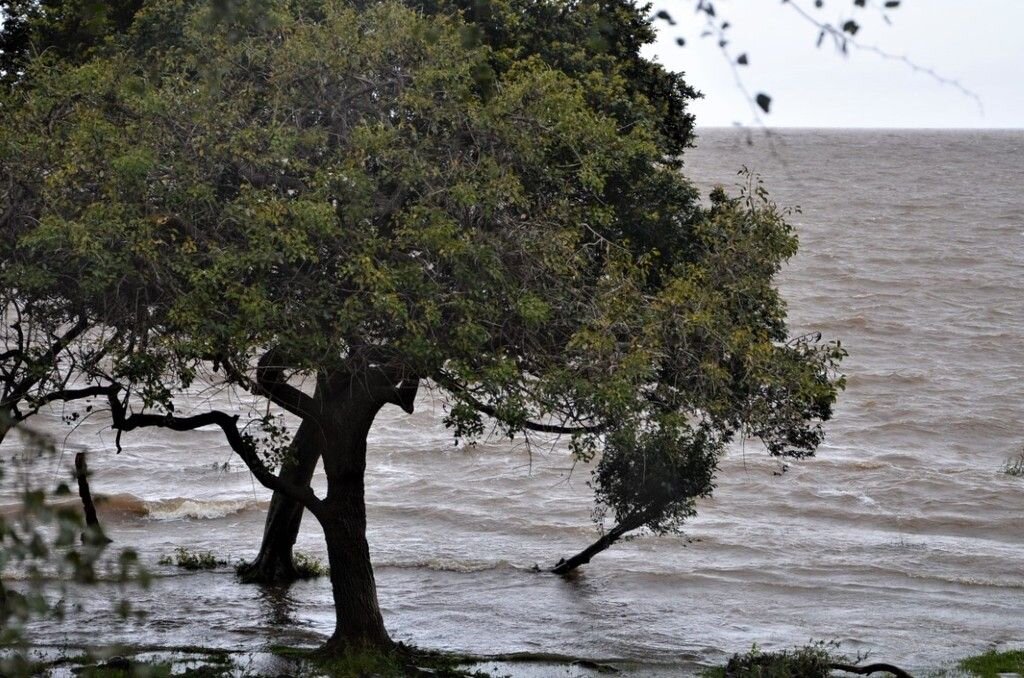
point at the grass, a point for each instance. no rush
(192, 560)
(309, 567)
(306, 566)
(992, 663)
(125, 662)
(126, 669)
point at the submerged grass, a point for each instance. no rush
(180, 662)
(992, 663)
(192, 560)
(810, 661)
(309, 566)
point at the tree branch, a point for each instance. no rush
(21, 389)
(462, 392)
(272, 384)
(241, 444)
(630, 523)
(66, 395)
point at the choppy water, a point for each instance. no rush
(902, 537)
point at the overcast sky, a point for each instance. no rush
(979, 43)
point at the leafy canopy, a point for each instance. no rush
(489, 197)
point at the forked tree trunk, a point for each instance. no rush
(275, 563)
(349, 411)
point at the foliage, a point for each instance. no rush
(378, 189)
(70, 28)
(192, 560)
(810, 661)
(991, 664)
(47, 545)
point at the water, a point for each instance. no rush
(902, 537)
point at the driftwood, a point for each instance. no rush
(868, 669)
(93, 532)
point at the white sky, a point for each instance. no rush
(979, 43)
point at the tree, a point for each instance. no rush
(368, 197)
(70, 28)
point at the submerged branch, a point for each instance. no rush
(871, 668)
(93, 532)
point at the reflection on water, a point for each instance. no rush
(277, 605)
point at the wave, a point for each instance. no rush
(176, 508)
(1003, 583)
(452, 565)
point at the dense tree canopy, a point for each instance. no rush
(370, 195)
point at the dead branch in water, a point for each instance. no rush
(93, 532)
(872, 668)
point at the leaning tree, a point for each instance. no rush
(364, 197)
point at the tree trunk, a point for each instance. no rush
(349, 412)
(275, 563)
(358, 620)
(630, 523)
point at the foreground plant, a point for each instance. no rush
(361, 199)
(817, 660)
(46, 548)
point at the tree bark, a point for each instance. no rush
(350, 408)
(275, 562)
(629, 524)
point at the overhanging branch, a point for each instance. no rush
(271, 383)
(241, 444)
(455, 387)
